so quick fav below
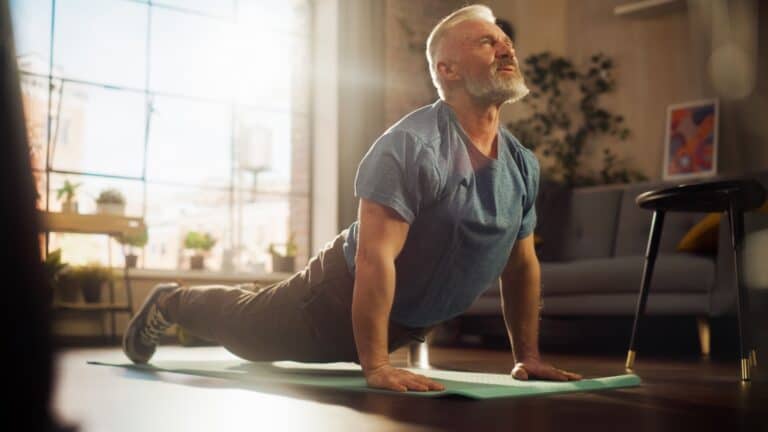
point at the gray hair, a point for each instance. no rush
(477, 12)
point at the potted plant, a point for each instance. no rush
(92, 277)
(111, 201)
(133, 241)
(68, 192)
(200, 243)
(284, 262)
(56, 276)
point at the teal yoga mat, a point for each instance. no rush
(348, 377)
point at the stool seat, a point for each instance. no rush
(717, 196)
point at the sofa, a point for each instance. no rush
(592, 242)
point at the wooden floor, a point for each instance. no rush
(676, 394)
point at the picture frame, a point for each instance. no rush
(690, 140)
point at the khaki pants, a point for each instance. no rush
(306, 317)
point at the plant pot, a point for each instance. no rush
(110, 209)
(283, 264)
(91, 291)
(131, 260)
(69, 207)
(68, 289)
(197, 262)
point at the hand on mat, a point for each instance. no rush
(536, 369)
(390, 378)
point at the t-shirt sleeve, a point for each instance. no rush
(400, 172)
(530, 171)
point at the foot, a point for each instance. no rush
(140, 339)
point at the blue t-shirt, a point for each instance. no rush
(465, 210)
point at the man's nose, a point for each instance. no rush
(505, 51)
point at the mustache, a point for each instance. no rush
(506, 61)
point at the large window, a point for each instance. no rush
(196, 110)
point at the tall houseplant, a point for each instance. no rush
(200, 243)
(564, 127)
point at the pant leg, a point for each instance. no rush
(306, 317)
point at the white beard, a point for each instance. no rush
(497, 89)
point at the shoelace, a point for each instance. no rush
(156, 325)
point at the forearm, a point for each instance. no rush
(520, 298)
(371, 304)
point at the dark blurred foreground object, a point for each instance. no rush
(27, 340)
(733, 197)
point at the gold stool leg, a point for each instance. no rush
(753, 358)
(702, 325)
(745, 369)
(630, 360)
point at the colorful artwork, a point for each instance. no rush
(691, 140)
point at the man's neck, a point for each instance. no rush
(480, 121)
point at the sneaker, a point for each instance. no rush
(140, 339)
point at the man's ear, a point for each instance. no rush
(447, 71)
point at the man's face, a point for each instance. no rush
(485, 58)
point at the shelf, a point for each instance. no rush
(649, 8)
(103, 307)
(91, 223)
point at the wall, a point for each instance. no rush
(661, 59)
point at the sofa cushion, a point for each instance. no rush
(672, 273)
(634, 224)
(591, 224)
(624, 305)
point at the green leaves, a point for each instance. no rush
(199, 241)
(566, 117)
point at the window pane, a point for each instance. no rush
(31, 20)
(289, 16)
(99, 130)
(218, 8)
(34, 97)
(190, 142)
(261, 220)
(101, 41)
(264, 150)
(90, 188)
(191, 55)
(82, 249)
(174, 211)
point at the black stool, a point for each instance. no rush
(734, 197)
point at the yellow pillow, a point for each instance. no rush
(702, 237)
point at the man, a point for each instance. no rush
(446, 208)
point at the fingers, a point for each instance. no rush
(525, 371)
(572, 376)
(401, 380)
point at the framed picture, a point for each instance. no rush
(690, 148)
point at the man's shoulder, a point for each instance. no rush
(422, 124)
(524, 157)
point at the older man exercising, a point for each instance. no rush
(446, 208)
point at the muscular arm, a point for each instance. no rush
(382, 234)
(520, 299)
